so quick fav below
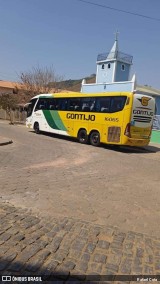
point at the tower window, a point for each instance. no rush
(109, 65)
(102, 66)
(123, 67)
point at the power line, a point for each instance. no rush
(119, 10)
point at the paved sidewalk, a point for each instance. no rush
(68, 247)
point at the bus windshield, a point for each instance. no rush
(30, 107)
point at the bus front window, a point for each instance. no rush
(30, 107)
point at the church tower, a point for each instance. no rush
(113, 66)
(113, 73)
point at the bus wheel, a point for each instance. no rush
(36, 128)
(82, 136)
(95, 138)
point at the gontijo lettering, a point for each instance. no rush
(143, 112)
(81, 116)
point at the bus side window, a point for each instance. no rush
(77, 106)
(63, 104)
(88, 104)
(51, 104)
(105, 104)
(74, 104)
(42, 104)
(97, 106)
(57, 104)
(117, 103)
(92, 106)
(85, 107)
(70, 105)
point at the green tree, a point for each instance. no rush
(8, 102)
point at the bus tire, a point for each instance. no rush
(36, 128)
(82, 136)
(94, 138)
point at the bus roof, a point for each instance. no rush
(78, 94)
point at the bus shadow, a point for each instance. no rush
(57, 136)
(132, 150)
(115, 148)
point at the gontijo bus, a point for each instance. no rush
(118, 118)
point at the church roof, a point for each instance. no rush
(115, 54)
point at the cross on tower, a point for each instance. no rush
(116, 35)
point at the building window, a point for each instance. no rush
(109, 65)
(123, 67)
(102, 66)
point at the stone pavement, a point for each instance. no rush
(65, 247)
(61, 215)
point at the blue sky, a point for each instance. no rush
(69, 34)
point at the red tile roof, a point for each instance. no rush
(10, 85)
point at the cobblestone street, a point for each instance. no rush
(71, 209)
(68, 247)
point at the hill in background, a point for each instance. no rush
(75, 85)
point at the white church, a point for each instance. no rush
(113, 75)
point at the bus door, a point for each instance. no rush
(30, 107)
(39, 114)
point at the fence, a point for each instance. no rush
(17, 115)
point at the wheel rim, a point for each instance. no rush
(83, 137)
(95, 138)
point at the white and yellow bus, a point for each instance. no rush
(118, 118)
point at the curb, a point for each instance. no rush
(6, 143)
